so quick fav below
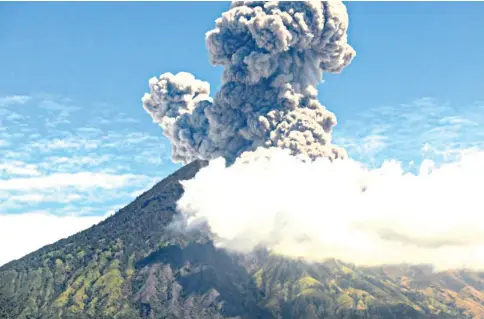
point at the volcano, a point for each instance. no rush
(135, 264)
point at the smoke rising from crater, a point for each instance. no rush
(274, 55)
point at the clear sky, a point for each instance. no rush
(75, 140)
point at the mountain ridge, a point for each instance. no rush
(132, 265)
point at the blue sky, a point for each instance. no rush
(75, 140)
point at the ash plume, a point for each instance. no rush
(274, 55)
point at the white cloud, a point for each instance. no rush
(15, 155)
(19, 168)
(14, 117)
(21, 234)
(111, 115)
(119, 119)
(13, 99)
(42, 197)
(318, 210)
(402, 130)
(60, 105)
(73, 162)
(90, 130)
(82, 180)
(72, 142)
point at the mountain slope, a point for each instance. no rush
(133, 265)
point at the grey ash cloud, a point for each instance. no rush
(274, 55)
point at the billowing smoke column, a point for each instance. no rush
(274, 54)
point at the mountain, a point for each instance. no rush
(135, 265)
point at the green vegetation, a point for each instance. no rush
(132, 266)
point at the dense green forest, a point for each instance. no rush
(135, 265)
